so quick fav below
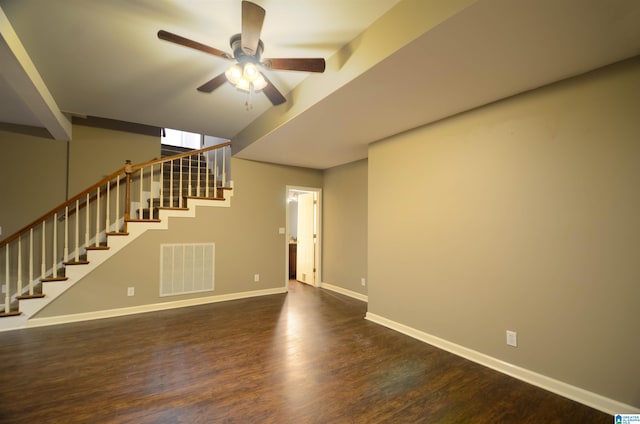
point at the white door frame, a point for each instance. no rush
(318, 259)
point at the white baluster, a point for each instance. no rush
(97, 216)
(171, 185)
(43, 268)
(151, 192)
(161, 184)
(86, 222)
(31, 261)
(215, 173)
(19, 282)
(140, 216)
(106, 213)
(7, 292)
(189, 192)
(198, 184)
(206, 168)
(224, 168)
(77, 235)
(65, 254)
(118, 204)
(180, 200)
(55, 245)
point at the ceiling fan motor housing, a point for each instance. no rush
(240, 55)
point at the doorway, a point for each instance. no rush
(303, 241)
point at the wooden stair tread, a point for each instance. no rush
(50, 279)
(142, 220)
(204, 198)
(118, 233)
(76, 263)
(31, 296)
(168, 208)
(97, 248)
(10, 314)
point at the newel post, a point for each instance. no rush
(127, 201)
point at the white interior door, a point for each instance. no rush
(305, 263)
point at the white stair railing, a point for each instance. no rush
(54, 240)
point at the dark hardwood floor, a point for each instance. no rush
(303, 357)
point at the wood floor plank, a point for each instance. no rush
(307, 356)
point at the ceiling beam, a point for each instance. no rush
(21, 74)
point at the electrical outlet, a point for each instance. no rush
(512, 338)
(281, 230)
(256, 278)
(131, 291)
(363, 282)
(0, 231)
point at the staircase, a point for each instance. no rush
(45, 258)
(188, 173)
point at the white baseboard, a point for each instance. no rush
(577, 394)
(110, 313)
(345, 292)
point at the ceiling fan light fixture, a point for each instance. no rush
(246, 77)
(234, 74)
(243, 84)
(259, 83)
(251, 72)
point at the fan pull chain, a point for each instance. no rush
(248, 103)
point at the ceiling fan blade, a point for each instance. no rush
(275, 97)
(174, 38)
(252, 20)
(306, 65)
(216, 82)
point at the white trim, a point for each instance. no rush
(594, 400)
(110, 313)
(346, 292)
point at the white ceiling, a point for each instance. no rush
(391, 65)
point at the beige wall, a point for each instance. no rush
(344, 250)
(521, 215)
(246, 237)
(33, 178)
(97, 152)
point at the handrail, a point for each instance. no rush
(59, 207)
(126, 169)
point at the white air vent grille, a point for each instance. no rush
(186, 268)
